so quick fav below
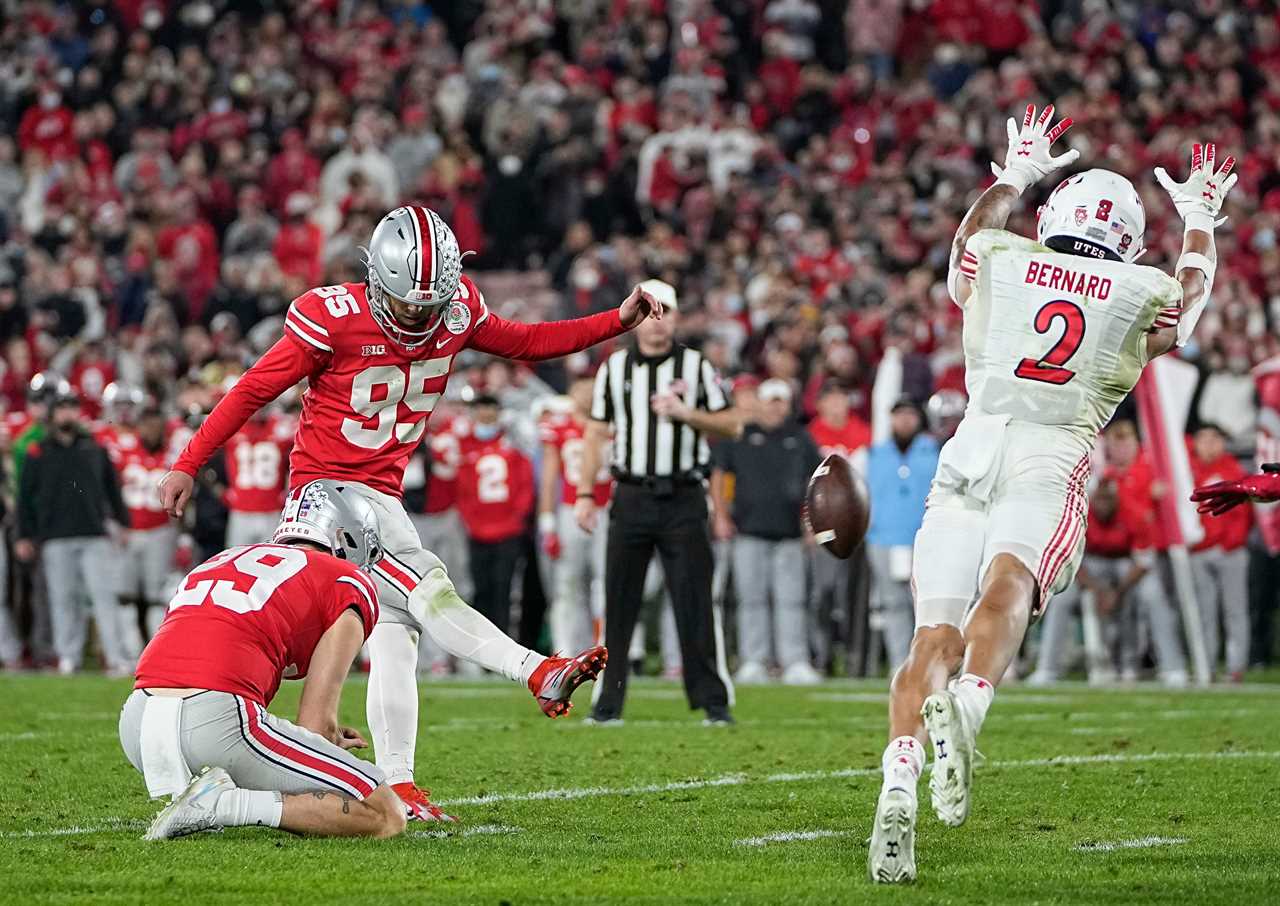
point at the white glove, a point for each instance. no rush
(1200, 198)
(1028, 159)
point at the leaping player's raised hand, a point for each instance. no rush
(1028, 159)
(1200, 197)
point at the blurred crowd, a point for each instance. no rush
(172, 174)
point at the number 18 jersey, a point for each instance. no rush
(1056, 339)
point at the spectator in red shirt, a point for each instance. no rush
(1220, 562)
(299, 245)
(47, 126)
(191, 247)
(836, 429)
(495, 498)
(1138, 492)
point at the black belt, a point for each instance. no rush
(661, 485)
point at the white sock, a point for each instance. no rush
(903, 760)
(465, 633)
(391, 705)
(249, 808)
(974, 695)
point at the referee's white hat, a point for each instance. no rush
(663, 291)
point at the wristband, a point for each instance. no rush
(546, 523)
(1197, 261)
(1199, 220)
(1015, 179)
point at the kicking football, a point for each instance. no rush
(836, 507)
(629, 451)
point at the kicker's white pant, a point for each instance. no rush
(1016, 489)
(245, 528)
(416, 595)
(1222, 589)
(577, 606)
(443, 534)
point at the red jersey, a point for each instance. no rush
(565, 434)
(1136, 503)
(256, 472)
(368, 397)
(846, 441)
(251, 616)
(446, 456)
(1230, 530)
(140, 473)
(495, 489)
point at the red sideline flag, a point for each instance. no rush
(1164, 400)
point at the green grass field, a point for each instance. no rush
(775, 810)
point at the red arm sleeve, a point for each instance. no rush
(550, 340)
(284, 364)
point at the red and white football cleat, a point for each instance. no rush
(552, 684)
(418, 804)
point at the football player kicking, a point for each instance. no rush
(300, 606)
(1056, 333)
(377, 356)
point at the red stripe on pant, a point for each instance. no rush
(394, 570)
(302, 757)
(1053, 551)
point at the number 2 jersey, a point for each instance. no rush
(251, 616)
(1056, 339)
(369, 398)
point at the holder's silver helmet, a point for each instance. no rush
(331, 514)
(412, 257)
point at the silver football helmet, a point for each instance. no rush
(331, 514)
(123, 402)
(412, 257)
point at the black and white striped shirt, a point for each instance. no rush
(643, 443)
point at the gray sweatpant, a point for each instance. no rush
(10, 642)
(1119, 628)
(763, 569)
(258, 749)
(250, 528)
(77, 568)
(1158, 598)
(577, 604)
(1222, 590)
(891, 599)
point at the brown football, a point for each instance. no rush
(836, 506)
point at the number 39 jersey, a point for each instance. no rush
(1056, 339)
(251, 616)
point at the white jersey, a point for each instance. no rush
(1055, 339)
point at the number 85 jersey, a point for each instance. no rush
(1056, 339)
(369, 397)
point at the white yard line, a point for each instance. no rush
(480, 830)
(1140, 843)
(790, 837)
(590, 792)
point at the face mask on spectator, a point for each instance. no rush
(486, 432)
(50, 99)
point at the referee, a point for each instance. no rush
(660, 399)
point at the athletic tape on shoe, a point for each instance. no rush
(163, 766)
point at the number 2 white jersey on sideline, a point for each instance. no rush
(1055, 339)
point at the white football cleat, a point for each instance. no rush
(953, 748)
(193, 809)
(891, 858)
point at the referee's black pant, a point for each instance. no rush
(675, 525)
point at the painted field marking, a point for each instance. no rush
(790, 837)
(480, 830)
(1140, 843)
(727, 780)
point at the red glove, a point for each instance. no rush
(551, 545)
(1219, 497)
